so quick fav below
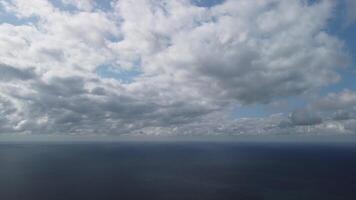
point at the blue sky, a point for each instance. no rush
(177, 67)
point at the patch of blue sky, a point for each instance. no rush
(104, 5)
(340, 27)
(285, 105)
(11, 18)
(122, 75)
(250, 111)
(62, 6)
(207, 3)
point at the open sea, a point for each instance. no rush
(177, 170)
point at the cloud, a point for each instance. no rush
(195, 63)
(278, 45)
(337, 101)
(305, 117)
(8, 73)
(334, 114)
(85, 105)
(337, 106)
(23, 8)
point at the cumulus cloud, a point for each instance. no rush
(305, 117)
(195, 62)
(335, 113)
(279, 45)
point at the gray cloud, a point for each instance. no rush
(305, 117)
(82, 105)
(335, 113)
(343, 115)
(8, 73)
(336, 101)
(337, 106)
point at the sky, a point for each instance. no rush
(177, 67)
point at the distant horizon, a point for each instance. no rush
(224, 139)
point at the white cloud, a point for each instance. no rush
(195, 63)
(23, 8)
(279, 45)
(86, 5)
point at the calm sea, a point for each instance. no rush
(177, 170)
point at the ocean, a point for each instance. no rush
(177, 170)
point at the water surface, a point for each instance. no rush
(177, 170)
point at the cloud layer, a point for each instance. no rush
(195, 63)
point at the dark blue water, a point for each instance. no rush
(135, 170)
